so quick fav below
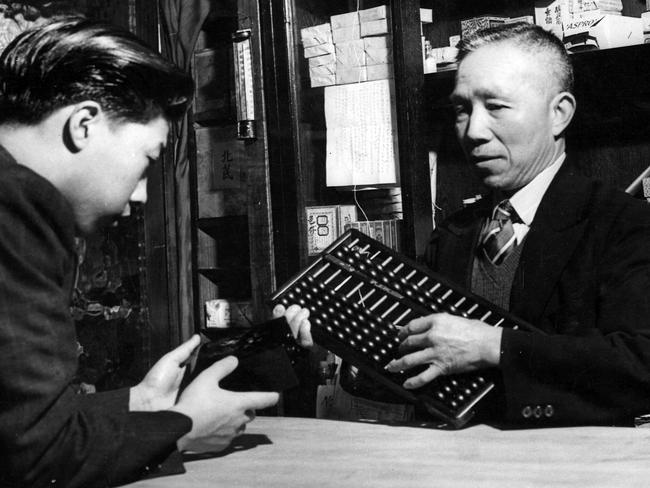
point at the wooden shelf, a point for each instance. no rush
(233, 282)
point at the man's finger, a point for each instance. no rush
(291, 312)
(258, 400)
(185, 350)
(415, 342)
(409, 361)
(278, 311)
(304, 334)
(426, 376)
(221, 368)
(416, 326)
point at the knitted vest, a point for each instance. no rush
(494, 283)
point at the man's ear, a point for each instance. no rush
(79, 128)
(563, 106)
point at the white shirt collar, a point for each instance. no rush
(527, 199)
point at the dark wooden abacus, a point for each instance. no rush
(360, 293)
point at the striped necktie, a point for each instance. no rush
(499, 237)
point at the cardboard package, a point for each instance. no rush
(350, 54)
(597, 31)
(316, 35)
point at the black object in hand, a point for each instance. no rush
(264, 364)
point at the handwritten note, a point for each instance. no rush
(361, 134)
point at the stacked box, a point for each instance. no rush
(524, 18)
(385, 231)
(564, 17)
(350, 62)
(338, 53)
(325, 224)
(470, 26)
(379, 57)
(600, 31)
(378, 43)
(445, 57)
(345, 27)
(374, 21)
(316, 35)
(320, 52)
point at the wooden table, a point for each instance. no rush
(295, 452)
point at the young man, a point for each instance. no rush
(565, 253)
(84, 111)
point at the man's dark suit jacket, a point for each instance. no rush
(584, 281)
(50, 436)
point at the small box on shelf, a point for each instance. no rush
(325, 223)
(385, 231)
(470, 26)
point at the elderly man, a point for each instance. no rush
(567, 254)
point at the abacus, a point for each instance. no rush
(360, 293)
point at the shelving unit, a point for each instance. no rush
(608, 138)
(231, 251)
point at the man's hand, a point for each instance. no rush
(217, 415)
(298, 319)
(448, 344)
(159, 388)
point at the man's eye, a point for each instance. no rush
(460, 111)
(495, 107)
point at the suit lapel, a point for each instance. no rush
(461, 236)
(556, 229)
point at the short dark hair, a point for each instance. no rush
(72, 59)
(528, 37)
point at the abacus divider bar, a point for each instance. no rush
(283, 289)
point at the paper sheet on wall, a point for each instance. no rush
(361, 134)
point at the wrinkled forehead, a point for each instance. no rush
(506, 63)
